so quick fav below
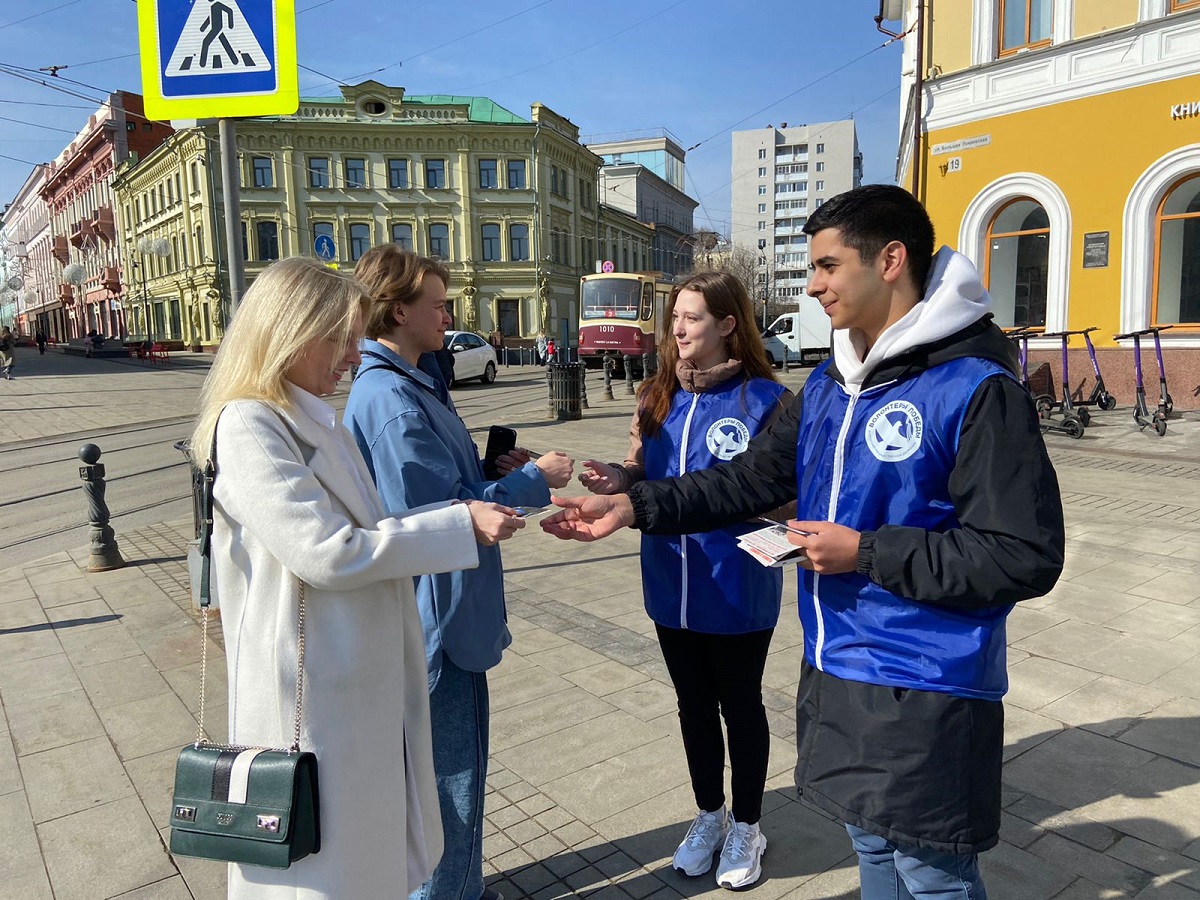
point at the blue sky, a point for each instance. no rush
(699, 68)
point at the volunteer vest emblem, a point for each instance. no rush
(727, 438)
(894, 432)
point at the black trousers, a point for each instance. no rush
(719, 675)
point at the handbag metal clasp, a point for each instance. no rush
(185, 813)
(269, 823)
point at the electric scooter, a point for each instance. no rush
(1070, 425)
(1141, 412)
(1099, 397)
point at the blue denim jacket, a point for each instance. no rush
(419, 451)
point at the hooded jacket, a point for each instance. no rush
(897, 737)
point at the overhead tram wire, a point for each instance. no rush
(798, 90)
(338, 82)
(575, 53)
(42, 13)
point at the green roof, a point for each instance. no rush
(480, 109)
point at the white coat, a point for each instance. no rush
(288, 507)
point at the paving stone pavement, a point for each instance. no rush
(588, 792)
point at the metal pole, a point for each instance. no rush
(230, 184)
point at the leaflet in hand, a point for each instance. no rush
(770, 546)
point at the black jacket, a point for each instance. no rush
(916, 767)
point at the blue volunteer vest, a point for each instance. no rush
(884, 457)
(703, 582)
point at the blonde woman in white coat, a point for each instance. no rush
(294, 502)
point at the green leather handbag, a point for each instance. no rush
(239, 804)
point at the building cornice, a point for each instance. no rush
(1146, 53)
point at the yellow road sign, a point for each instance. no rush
(210, 59)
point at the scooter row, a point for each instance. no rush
(1075, 415)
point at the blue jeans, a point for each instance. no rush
(458, 709)
(891, 871)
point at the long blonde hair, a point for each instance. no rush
(292, 303)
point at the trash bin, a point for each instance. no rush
(566, 391)
(195, 562)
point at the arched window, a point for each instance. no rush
(1177, 255)
(1018, 264)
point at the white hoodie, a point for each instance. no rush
(954, 298)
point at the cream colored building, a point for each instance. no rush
(509, 204)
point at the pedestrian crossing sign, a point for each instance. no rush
(207, 59)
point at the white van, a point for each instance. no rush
(802, 337)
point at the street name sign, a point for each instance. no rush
(212, 59)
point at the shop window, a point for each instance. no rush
(1018, 264)
(1177, 256)
(508, 314)
(1025, 24)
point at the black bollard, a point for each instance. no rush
(628, 375)
(785, 360)
(608, 367)
(104, 553)
(551, 407)
(583, 384)
(646, 370)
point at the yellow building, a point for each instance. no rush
(509, 204)
(168, 217)
(1059, 148)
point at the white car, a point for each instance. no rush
(473, 356)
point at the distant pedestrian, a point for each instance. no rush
(550, 350)
(40, 338)
(8, 350)
(541, 348)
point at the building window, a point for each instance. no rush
(439, 241)
(516, 174)
(554, 179)
(820, 148)
(489, 178)
(762, 226)
(267, 234)
(200, 245)
(435, 173)
(518, 243)
(1177, 256)
(1018, 264)
(762, 153)
(762, 171)
(323, 229)
(397, 174)
(262, 171)
(491, 242)
(1025, 24)
(402, 235)
(762, 190)
(318, 172)
(245, 241)
(762, 207)
(1177, 5)
(360, 240)
(195, 177)
(820, 185)
(356, 172)
(820, 167)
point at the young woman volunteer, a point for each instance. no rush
(714, 606)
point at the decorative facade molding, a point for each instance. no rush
(972, 235)
(1138, 224)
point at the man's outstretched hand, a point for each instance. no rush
(589, 518)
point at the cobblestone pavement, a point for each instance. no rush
(588, 792)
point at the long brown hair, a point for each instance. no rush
(724, 295)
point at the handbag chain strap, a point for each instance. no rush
(206, 602)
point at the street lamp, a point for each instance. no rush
(73, 275)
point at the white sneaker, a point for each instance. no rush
(740, 856)
(704, 838)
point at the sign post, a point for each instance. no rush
(219, 59)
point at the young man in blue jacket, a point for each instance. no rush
(930, 507)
